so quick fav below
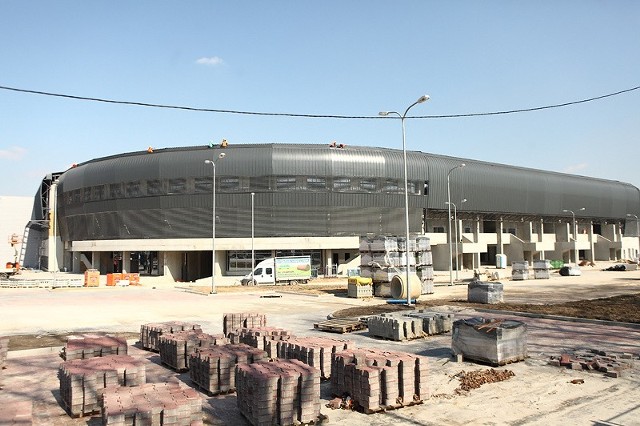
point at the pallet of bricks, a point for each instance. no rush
(377, 380)
(167, 404)
(236, 321)
(82, 380)
(264, 338)
(313, 351)
(383, 257)
(150, 333)
(490, 341)
(283, 392)
(409, 325)
(175, 348)
(520, 270)
(89, 346)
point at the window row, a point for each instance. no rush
(230, 184)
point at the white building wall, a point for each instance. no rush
(15, 212)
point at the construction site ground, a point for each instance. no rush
(538, 393)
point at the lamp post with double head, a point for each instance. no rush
(213, 221)
(402, 117)
(449, 220)
(455, 220)
(575, 232)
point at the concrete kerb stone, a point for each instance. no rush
(561, 318)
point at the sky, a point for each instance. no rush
(350, 58)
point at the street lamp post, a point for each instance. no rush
(637, 229)
(420, 100)
(575, 232)
(253, 253)
(455, 219)
(213, 223)
(449, 221)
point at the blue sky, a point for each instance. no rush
(326, 57)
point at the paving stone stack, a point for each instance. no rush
(433, 322)
(541, 269)
(382, 257)
(17, 413)
(4, 349)
(485, 292)
(395, 327)
(377, 379)
(313, 351)
(175, 348)
(261, 338)
(233, 322)
(166, 404)
(213, 369)
(495, 342)
(89, 346)
(81, 380)
(520, 271)
(280, 392)
(359, 287)
(150, 333)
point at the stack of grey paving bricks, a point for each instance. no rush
(541, 269)
(167, 404)
(175, 348)
(89, 346)
(495, 342)
(81, 380)
(261, 338)
(382, 257)
(433, 322)
(520, 270)
(377, 379)
(313, 351)
(283, 392)
(485, 292)
(17, 413)
(4, 350)
(213, 369)
(395, 327)
(150, 333)
(233, 322)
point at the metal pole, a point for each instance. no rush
(213, 224)
(449, 222)
(406, 187)
(253, 255)
(455, 218)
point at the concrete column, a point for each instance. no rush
(500, 249)
(95, 260)
(126, 261)
(329, 262)
(592, 243)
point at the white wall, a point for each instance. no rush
(15, 212)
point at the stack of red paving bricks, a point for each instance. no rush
(278, 392)
(260, 337)
(213, 369)
(233, 322)
(611, 364)
(150, 333)
(313, 351)
(89, 346)
(166, 404)
(81, 380)
(376, 379)
(175, 348)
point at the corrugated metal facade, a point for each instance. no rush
(308, 190)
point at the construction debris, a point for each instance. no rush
(611, 364)
(474, 379)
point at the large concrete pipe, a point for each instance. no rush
(399, 287)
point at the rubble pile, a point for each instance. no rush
(150, 333)
(213, 369)
(278, 392)
(89, 346)
(81, 380)
(474, 379)
(611, 364)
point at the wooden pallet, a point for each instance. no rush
(340, 325)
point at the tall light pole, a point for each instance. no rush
(449, 221)
(420, 100)
(455, 219)
(575, 232)
(213, 222)
(637, 229)
(253, 253)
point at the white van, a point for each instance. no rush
(289, 270)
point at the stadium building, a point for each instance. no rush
(151, 211)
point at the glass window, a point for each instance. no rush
(202, 184)
(98, 193)
(438, 229)
(285, 183)
(177, 186)
(369, 185)
(133, 189)
(341, 184)
(86, 196)
(316, 183)
(155, 187)
(391, 186)
(115, 190)
(239, 261)
(229, 184)
(269, 271)
(259, 183)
